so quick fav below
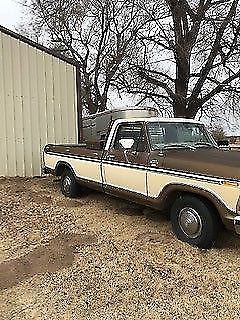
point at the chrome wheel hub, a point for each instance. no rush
(190, 222)
(67, 184)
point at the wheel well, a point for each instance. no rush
(60, 168)
(176, 194)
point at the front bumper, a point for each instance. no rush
(237, 224)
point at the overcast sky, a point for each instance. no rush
(10, 13)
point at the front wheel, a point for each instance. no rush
(194, 221)
(69, 185)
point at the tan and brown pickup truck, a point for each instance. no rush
(168, 164)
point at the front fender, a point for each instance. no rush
(171, 191)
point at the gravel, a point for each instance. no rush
(99, 257)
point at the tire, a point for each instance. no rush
(69, 185)
(194, 221)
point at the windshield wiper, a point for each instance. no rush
(179, 146)
(204, 144)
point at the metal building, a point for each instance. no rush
(38, 103)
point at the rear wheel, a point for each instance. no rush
(69, 185)
(194, 221)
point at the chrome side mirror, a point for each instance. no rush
(127, 143)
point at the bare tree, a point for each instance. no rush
(218, 132)
(182, 55)
(189, 57)
(98, 34)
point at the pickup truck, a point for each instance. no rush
(167, 164)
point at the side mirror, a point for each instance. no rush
(127, 143)
(223, 143)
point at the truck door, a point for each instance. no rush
(124, 164)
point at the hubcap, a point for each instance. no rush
(67, 184)
(190, 222)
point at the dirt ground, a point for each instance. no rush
(98, 257)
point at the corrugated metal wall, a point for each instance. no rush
(37, 105)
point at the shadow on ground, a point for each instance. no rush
(57, 254)
(228, 240)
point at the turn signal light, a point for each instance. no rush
(231, 183)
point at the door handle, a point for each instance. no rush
(134, 153)
(154, 163)
(111, 157)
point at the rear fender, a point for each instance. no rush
(61, 166)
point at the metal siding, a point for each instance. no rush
(57, 100)
(9, 101)
(71, 98)
(18, 119)
(64, 113)
(26, 102)
(3, 135)
(41, 82)
(34, 111)
(49, 99)
(37, 105)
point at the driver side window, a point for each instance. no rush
(130, 131)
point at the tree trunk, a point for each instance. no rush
(194, 106)
(87, 93)
(181, 84)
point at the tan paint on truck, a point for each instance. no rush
(84, 169)
(134, 180)
(226, 193)
(125, 178)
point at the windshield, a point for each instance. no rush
(178, 134)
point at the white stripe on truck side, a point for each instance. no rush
(83, 168)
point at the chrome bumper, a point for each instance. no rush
(237, 224)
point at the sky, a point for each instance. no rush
(10, 13)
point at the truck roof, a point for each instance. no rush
(159, 119)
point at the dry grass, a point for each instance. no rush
(103, 258)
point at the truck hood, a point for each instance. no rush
(211, 162)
